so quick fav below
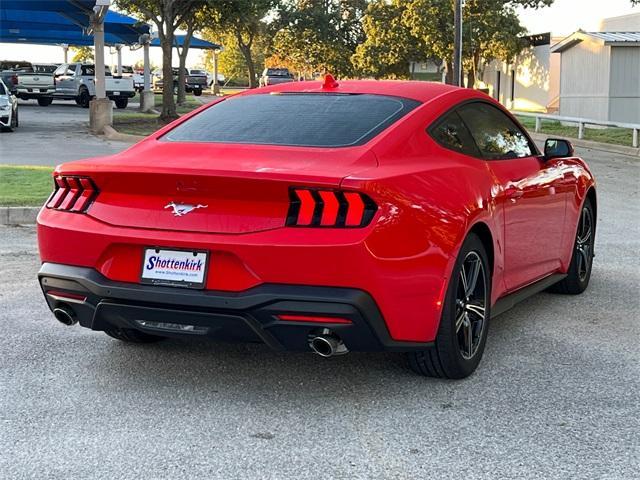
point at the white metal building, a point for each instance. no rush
(600, 75)
(530, 82)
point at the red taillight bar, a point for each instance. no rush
(72, 194)
(313, 319)
(311, 207)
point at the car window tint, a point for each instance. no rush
(2, 89)
(451, 133)
(296, 119)
(495, 134)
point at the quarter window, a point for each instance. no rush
(451, 133)
(495, 134)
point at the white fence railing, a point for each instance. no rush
(581, 122)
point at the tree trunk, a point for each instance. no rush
(471, 78)
(245, 49)
(182, 54)
(449, 75)
(168, 104)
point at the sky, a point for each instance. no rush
(562, 18)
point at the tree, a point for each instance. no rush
(319, 35)
(193, 21)
(390, 45)
(167, 16)
(244, 19)
(231, 61)
(491, 29)
(82, 54)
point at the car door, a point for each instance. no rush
(65, 80)
(532, 193)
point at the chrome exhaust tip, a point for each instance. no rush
(327, 344)
(65, 315)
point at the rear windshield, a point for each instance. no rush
(44, 68)
(310, 120)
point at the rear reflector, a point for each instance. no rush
(72, 194)
(329, 208)
(313, 319)
(66, 296)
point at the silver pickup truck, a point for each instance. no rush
(37, 83)
(76, 81)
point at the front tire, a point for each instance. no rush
(84, 98)
(464, 324)
(579, 274)
(131, 335)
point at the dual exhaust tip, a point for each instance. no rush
(327, 344)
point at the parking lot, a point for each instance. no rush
(52, 135)
(556, 395)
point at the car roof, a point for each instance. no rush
(415, 90)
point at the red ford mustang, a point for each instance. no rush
(360, 215)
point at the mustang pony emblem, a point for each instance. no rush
(180, 209)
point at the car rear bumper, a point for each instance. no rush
(121, 94)
(253, 315)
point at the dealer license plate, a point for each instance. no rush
(176, 268)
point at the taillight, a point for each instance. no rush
(311, 207)
(72, 194)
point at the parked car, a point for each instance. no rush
(397, 216)
(221, 79)
(76, 81)
(138, 80)
(8, 108)
(193, 83)
(37, 83)
(127, 71)
(9, 70)
(274, 76)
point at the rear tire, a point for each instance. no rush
(579, 274)
(131, 335)
(83, 98)
(197, 92)
(464, 324)
(121, 102)
(45, 101)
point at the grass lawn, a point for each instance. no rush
(618, 136)
(25, 186)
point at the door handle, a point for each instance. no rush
(513, 193)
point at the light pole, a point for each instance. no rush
(457, 43)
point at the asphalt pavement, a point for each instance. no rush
(556, 395)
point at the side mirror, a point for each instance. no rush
(557, 148)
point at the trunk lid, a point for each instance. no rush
(213, 188)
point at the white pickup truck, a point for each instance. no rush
(76, 81)
(37, 83)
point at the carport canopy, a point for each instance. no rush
(194, 43)
(21, 21)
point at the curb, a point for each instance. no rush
(18, 215)
(603, 147)
(112, 134)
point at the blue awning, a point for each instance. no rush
(195, 43)
(53, 22)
